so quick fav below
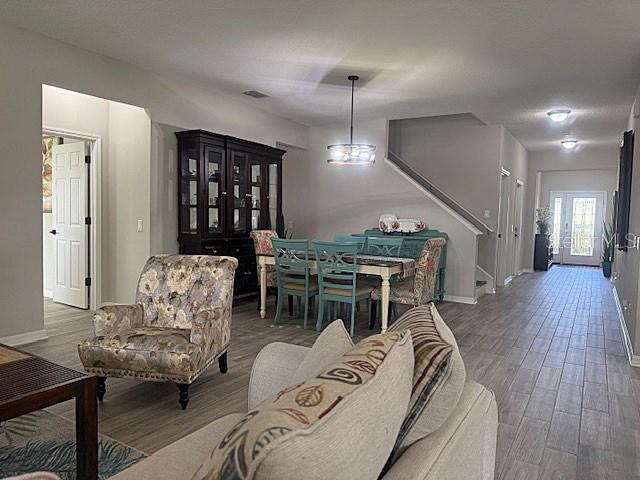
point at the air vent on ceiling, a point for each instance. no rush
(255, 94)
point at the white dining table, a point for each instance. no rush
(383, 268)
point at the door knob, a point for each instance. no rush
(53, 232)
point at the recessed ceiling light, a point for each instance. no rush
(569, 144)
(559, 115)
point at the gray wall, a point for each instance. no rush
(542, 163)
(28, 61)
(325, 200)
(627, 264)
(463, 161)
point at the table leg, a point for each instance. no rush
(386, 288)
(87, 431)
(263, 290)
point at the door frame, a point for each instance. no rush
(579, 192)
(503, 243)
(517, 226)
(95, 207)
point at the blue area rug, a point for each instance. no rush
(44, 441)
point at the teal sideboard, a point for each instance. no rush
(412, 245)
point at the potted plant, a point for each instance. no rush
(607, 248)
(543, 217)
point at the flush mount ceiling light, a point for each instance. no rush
(559, 115)
(569, 144)
(351, 153)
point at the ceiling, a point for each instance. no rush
(507, 62)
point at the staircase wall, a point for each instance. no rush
(461, 160)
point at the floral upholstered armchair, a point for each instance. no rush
(262, 245)
(419, 289)
(179, 325)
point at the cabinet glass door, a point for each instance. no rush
(256, 195)
(241, 201)
(214, 158)
(273, 195)
(189, 169)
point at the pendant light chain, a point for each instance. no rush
(353, 82)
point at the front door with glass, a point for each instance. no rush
(577, 227)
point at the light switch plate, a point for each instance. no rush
(139, 225)
(487, 214)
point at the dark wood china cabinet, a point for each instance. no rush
(226, 188)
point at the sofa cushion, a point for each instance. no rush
(182, 458)
(328, 348)
(315, 430)
(438, 378)
(163, 354)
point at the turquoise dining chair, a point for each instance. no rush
(385, 247)
(337, 279)
(360, 241)
(293, 273)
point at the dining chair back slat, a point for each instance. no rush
(385, 247)
(360, 241)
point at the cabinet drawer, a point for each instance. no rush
(214, 248)
(241, 248)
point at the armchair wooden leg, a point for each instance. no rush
(222, 363)
(101, 387)
(184, 394)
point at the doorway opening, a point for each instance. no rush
(97, 177)
(576, 227)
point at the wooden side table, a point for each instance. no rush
(29, 383)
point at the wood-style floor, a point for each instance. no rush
(549, 345)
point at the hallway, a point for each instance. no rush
(549, 345)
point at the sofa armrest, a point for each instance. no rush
(272, 370)
(111, 318)
(211, 330)
(463, 447)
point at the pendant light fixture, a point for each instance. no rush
(351, 153)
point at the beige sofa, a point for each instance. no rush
(464, 447)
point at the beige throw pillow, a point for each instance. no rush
(340, 425)
(328, 348)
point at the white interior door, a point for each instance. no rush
(577, 227)
(70, 233)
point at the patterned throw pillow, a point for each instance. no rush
(341, 424)
(438, 378)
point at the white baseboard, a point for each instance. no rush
(526, 270)
(457, 299)
(47, 293)
(22, 338)
(634, 360)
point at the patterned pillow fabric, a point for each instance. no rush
(438, 378)
(329, 347)
(341, 424)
